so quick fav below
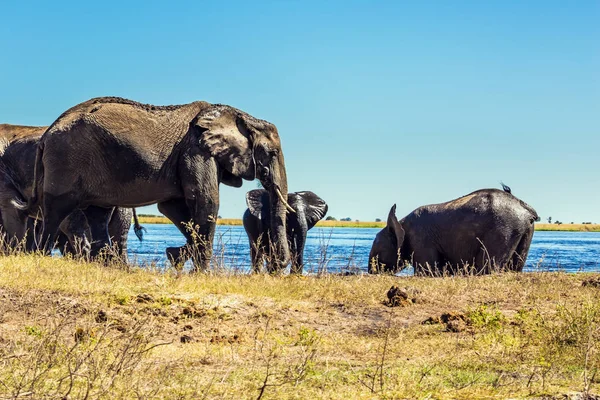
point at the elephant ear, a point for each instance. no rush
(256, 199)
(394, 227)
(315, 207)
(225, 136)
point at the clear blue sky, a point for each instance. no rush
(376, 102)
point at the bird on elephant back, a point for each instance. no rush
(18, 146)
(486, 231)
(309, 209)
(111, 151)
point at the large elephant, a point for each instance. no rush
(18, 146)
(485, 231)
(111, 151)
(309, 209)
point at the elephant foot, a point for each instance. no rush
(177, 256)
(296, 269)
(173, 255)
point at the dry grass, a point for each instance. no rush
(568, 227)
(366, 224)
(71, 329)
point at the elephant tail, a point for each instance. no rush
(534, 215)
(137, 228)
(38, 181)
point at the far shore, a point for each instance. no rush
(157, 219)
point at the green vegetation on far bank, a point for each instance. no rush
(82, 330)
(156, 219)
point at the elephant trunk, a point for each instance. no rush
(278, 190)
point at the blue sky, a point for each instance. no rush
(376, 102)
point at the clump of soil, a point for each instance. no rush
(144, 298)
(81, 335)
(593, 282)
(101, 316)
(235, 338)
(397, 297)
(192, 312)
(455, 322)
(185, 339)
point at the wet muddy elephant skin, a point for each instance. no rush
(485, 231)
(111, 151)
(309, 209)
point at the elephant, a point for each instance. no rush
(18, 146)
(75, 228)
(309, 208)
(111, 151)
(485, 231)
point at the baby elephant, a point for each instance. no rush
(485, 231)
(309, 209)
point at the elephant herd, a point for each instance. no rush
(75, 184)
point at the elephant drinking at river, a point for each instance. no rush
(484, 231)
(111, 151)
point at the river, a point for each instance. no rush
(347, 249)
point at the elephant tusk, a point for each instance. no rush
(284, 201)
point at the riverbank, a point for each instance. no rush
(365, 224)
(77, 328)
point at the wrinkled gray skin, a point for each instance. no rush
(78, 231)
(110, 151)
(18, 146)
(485, 231)
(309, 209)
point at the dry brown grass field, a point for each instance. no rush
(366, 224)
(74, 330)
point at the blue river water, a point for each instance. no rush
(347, 249)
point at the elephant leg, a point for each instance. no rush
(55, 210)
(255, 255)
(65, 247)
(205, 216)
(258, 252)
(520, 255)
(177, 211)
(75, 236)
(428, 262)
(297, 252)
(15, 227)
(118, 229)
(201, 191)
(34, 234)
(98, 219)
(495, 252)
